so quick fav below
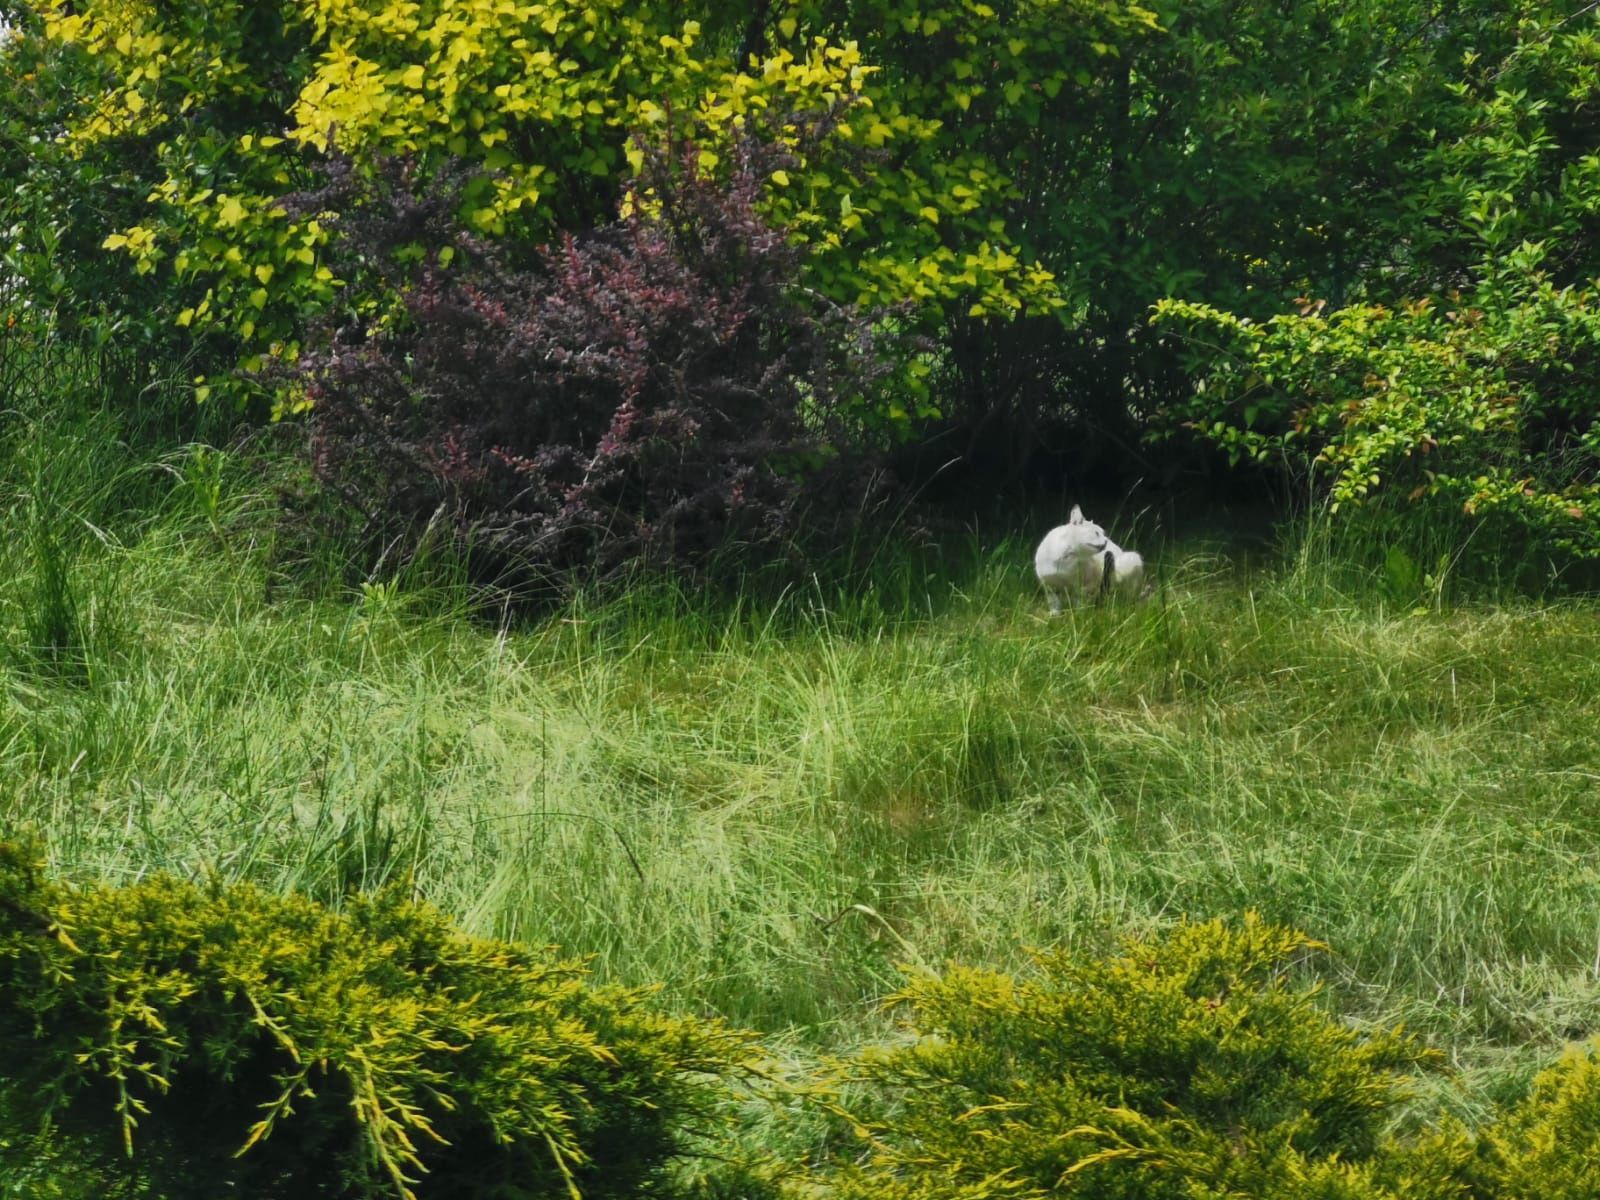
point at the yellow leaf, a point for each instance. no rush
(186, 316)
(781, 178)
(264, 272)
(787, 26)
(412, 78)
(929, 213)
(259, 297)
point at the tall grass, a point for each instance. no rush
(766, 804)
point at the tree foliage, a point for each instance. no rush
(200, 120)
(1032, 176)
(1465, 386)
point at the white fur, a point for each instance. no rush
(1071, 562)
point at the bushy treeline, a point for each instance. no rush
(1351, 245)
(168, 1039)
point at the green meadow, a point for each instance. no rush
(769, 800)
(522, 669)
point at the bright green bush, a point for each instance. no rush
(1458, 403)
(1184, 1066)
(173, 1041)
(1458, 414)
(191, 1041)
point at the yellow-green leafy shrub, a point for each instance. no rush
(978, 103)
(195, 1042)
(180, 129)
(1186, 1066)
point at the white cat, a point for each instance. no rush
(1078, 559)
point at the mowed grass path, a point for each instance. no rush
(766, 806)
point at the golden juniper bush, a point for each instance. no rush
(224, 1037)
(188, 1040)
(1189, 1065)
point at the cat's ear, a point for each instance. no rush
(1077, 516)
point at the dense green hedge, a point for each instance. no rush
(1367, 230)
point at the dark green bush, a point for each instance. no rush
(180, 1041)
